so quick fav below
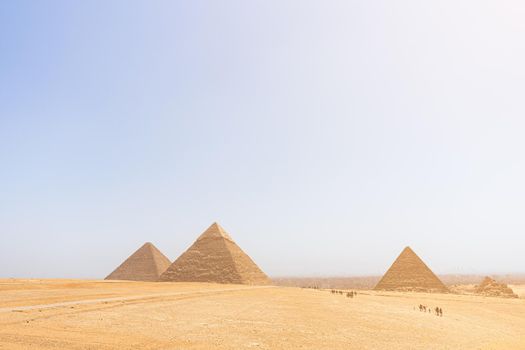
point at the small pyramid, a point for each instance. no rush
(215, 257)
(146, 264)
(410, 273)
(490, 287)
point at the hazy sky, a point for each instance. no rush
(324, 136)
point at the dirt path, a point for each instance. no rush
(132, 298)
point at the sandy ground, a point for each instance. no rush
(518, 289)
(58, 314)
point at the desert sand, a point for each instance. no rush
(73, 314)
(519, 289)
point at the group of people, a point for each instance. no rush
(350, 294)
(437, 310)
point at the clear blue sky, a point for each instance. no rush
(324, 136)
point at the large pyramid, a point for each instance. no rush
(214, 257)
(409, 273)
(146, 264)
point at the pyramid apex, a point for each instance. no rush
(407, 251)
(215, 231)
(147, 245)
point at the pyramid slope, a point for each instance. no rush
(146, 264)
(215, 257)
(410, 273)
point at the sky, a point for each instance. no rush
(324, 136)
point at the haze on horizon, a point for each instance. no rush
(323, 136)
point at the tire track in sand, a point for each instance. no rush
(117, 299)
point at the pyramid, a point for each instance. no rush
(409, 273)
(214, 257)
(490, 287)
(146, 264)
